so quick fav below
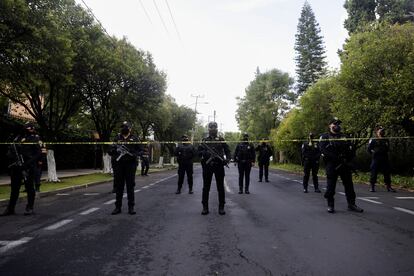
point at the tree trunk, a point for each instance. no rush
(107, 164)
(51, 167)
(161, 162)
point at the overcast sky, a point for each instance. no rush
(222, 42)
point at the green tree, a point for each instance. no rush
(41, 50)
(310, 51)
(360, 12)
(364, 13)
(377, 76)
(266, 101)
(395, 11)
(311, 115)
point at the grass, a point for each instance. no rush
(65, 182)
(405, 182)
(72, 181)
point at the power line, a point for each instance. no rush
(172, 17)
(97, 20)
(159, 13)
(145, 11)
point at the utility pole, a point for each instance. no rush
(214, 116)
(195, 111)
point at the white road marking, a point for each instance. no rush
(59, 224)
(298, 181)
(110, 202)
(136, 191)
(369, 200)
(324, 189)
(87, 212)
(404, 197)
(226, 186)
(124, 196)
(404, 210)
(62, 194)
(91, 194)
(145, 187)
(370, 197)
(341, 193)
(7, 245)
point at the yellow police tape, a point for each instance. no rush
(198, 142)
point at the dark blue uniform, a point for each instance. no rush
(310, 157)
(214, 166)
(379, 148)
(30, 153)
(125, 167)
(145, 160)
(185, 153)
(265, 152)
(337, 156)
(245, 156)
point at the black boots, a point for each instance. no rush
(389, 189)
(116, 211)
(8, 212)
(354, 208)
(221, 211)
(205, 210)
(372, 188)
(131, 210)
(305, 190)
(331, 208)
(28, 211)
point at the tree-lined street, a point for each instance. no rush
(276, 230)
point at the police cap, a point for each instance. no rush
(335, 121)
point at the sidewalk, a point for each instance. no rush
(5, 179)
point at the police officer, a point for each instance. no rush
(125, 164)
(337, 155)
(23, 168)
(185, 153)
(245, 157)
(265, 152)
(310, 158)
(379, 148)
(145, 160)
(215, 154)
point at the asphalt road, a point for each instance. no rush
(276, 230)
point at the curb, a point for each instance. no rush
(4, 202)
(324, 177)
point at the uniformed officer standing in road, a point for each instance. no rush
(145, 160)
(379, 148)
(337, 155)
(215, 154)
(245, 156)
(265, 152)
(125, 162)
(185, 153)
(23, 168)
(310, 158)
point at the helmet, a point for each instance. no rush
(212, 129)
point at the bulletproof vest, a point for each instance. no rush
(336, 150)
(185, 152)
(380, 148)
(134, 149)
(244, 152)
(29, 152)
(310, 151)
(219, 147)
(264, 152)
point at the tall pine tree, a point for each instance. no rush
(310, 51)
